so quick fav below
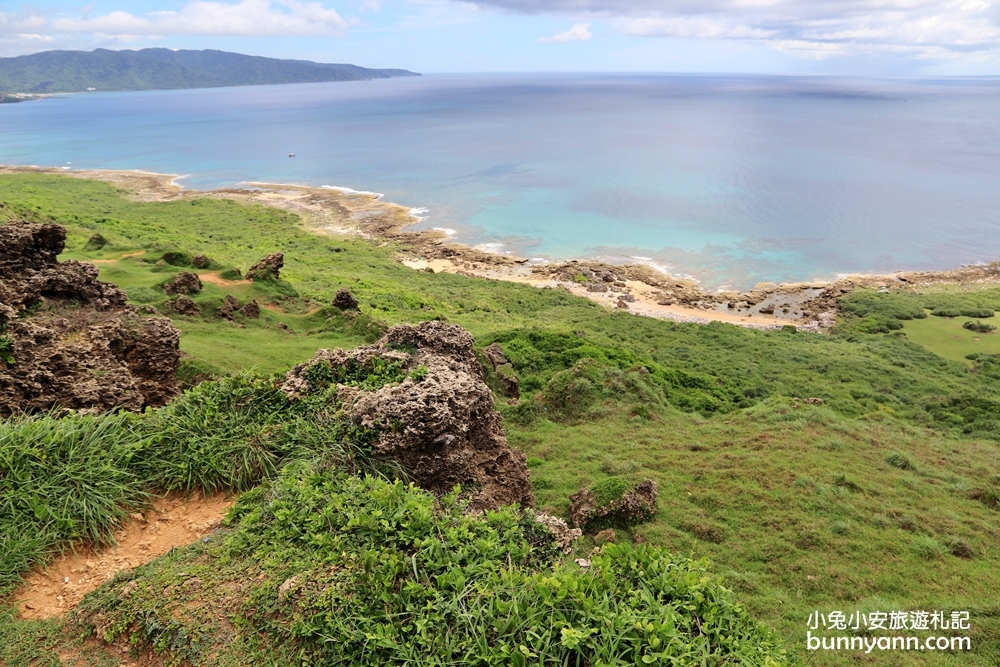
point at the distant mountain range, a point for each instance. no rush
(148, 69)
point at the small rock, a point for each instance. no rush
(563, 534)
(583, 562)
(494, 354)
(185, 305)
(289, 584)
(201, 262)
(597, 287)
(251, 310)
(622, 305)
(633, 506)
(345, 300)
(227, 310)
(268, 268)
(605, 536)
(184, 282)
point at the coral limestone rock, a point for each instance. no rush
(439, 422)
(615, 500)
(184, 282)
(268, 268)
(71, 341)
(345, 300)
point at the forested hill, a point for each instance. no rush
(147, 69)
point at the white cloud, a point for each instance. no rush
(197, 17)
(578, 33)
(808, 28)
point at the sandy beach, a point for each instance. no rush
(635, 288)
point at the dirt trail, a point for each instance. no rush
(171, 522)
(112, 261)
(222, 282)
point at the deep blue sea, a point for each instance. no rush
(732, 180)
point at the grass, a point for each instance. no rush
(338, 570)
(884, 496)
(946, 337)
(797, 525)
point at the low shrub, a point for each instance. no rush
(177, 258)
(897, 460)
(143, 294)
(927, 547)
(6, 350)
(979, 327)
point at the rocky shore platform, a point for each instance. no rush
(634, 288)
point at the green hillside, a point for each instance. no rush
(148, 69)
(856, 471)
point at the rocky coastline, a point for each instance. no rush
(633, 288)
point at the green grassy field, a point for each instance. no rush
(879, 493)
(945, 337)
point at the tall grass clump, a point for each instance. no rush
(74, 479)
(63, 480)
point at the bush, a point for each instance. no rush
(979, 327)
(927, 548)
(977, 312)
(231, 274)
(177, 258)
(897, 460)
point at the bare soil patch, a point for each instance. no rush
(222, 282)
(112, 261)
(173, 521)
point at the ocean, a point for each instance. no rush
(728, 179)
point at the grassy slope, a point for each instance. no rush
(796, 501)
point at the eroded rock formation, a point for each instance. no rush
(251, 310)
(504, 370)
(184, 282)
(268, 268)
(227, 310)
(71, 340)
(345, 300)
(439, 422)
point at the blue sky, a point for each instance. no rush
(849, 37)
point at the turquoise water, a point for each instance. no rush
(732, 180)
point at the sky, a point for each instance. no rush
(800, 37)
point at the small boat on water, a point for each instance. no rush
(291, 155)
